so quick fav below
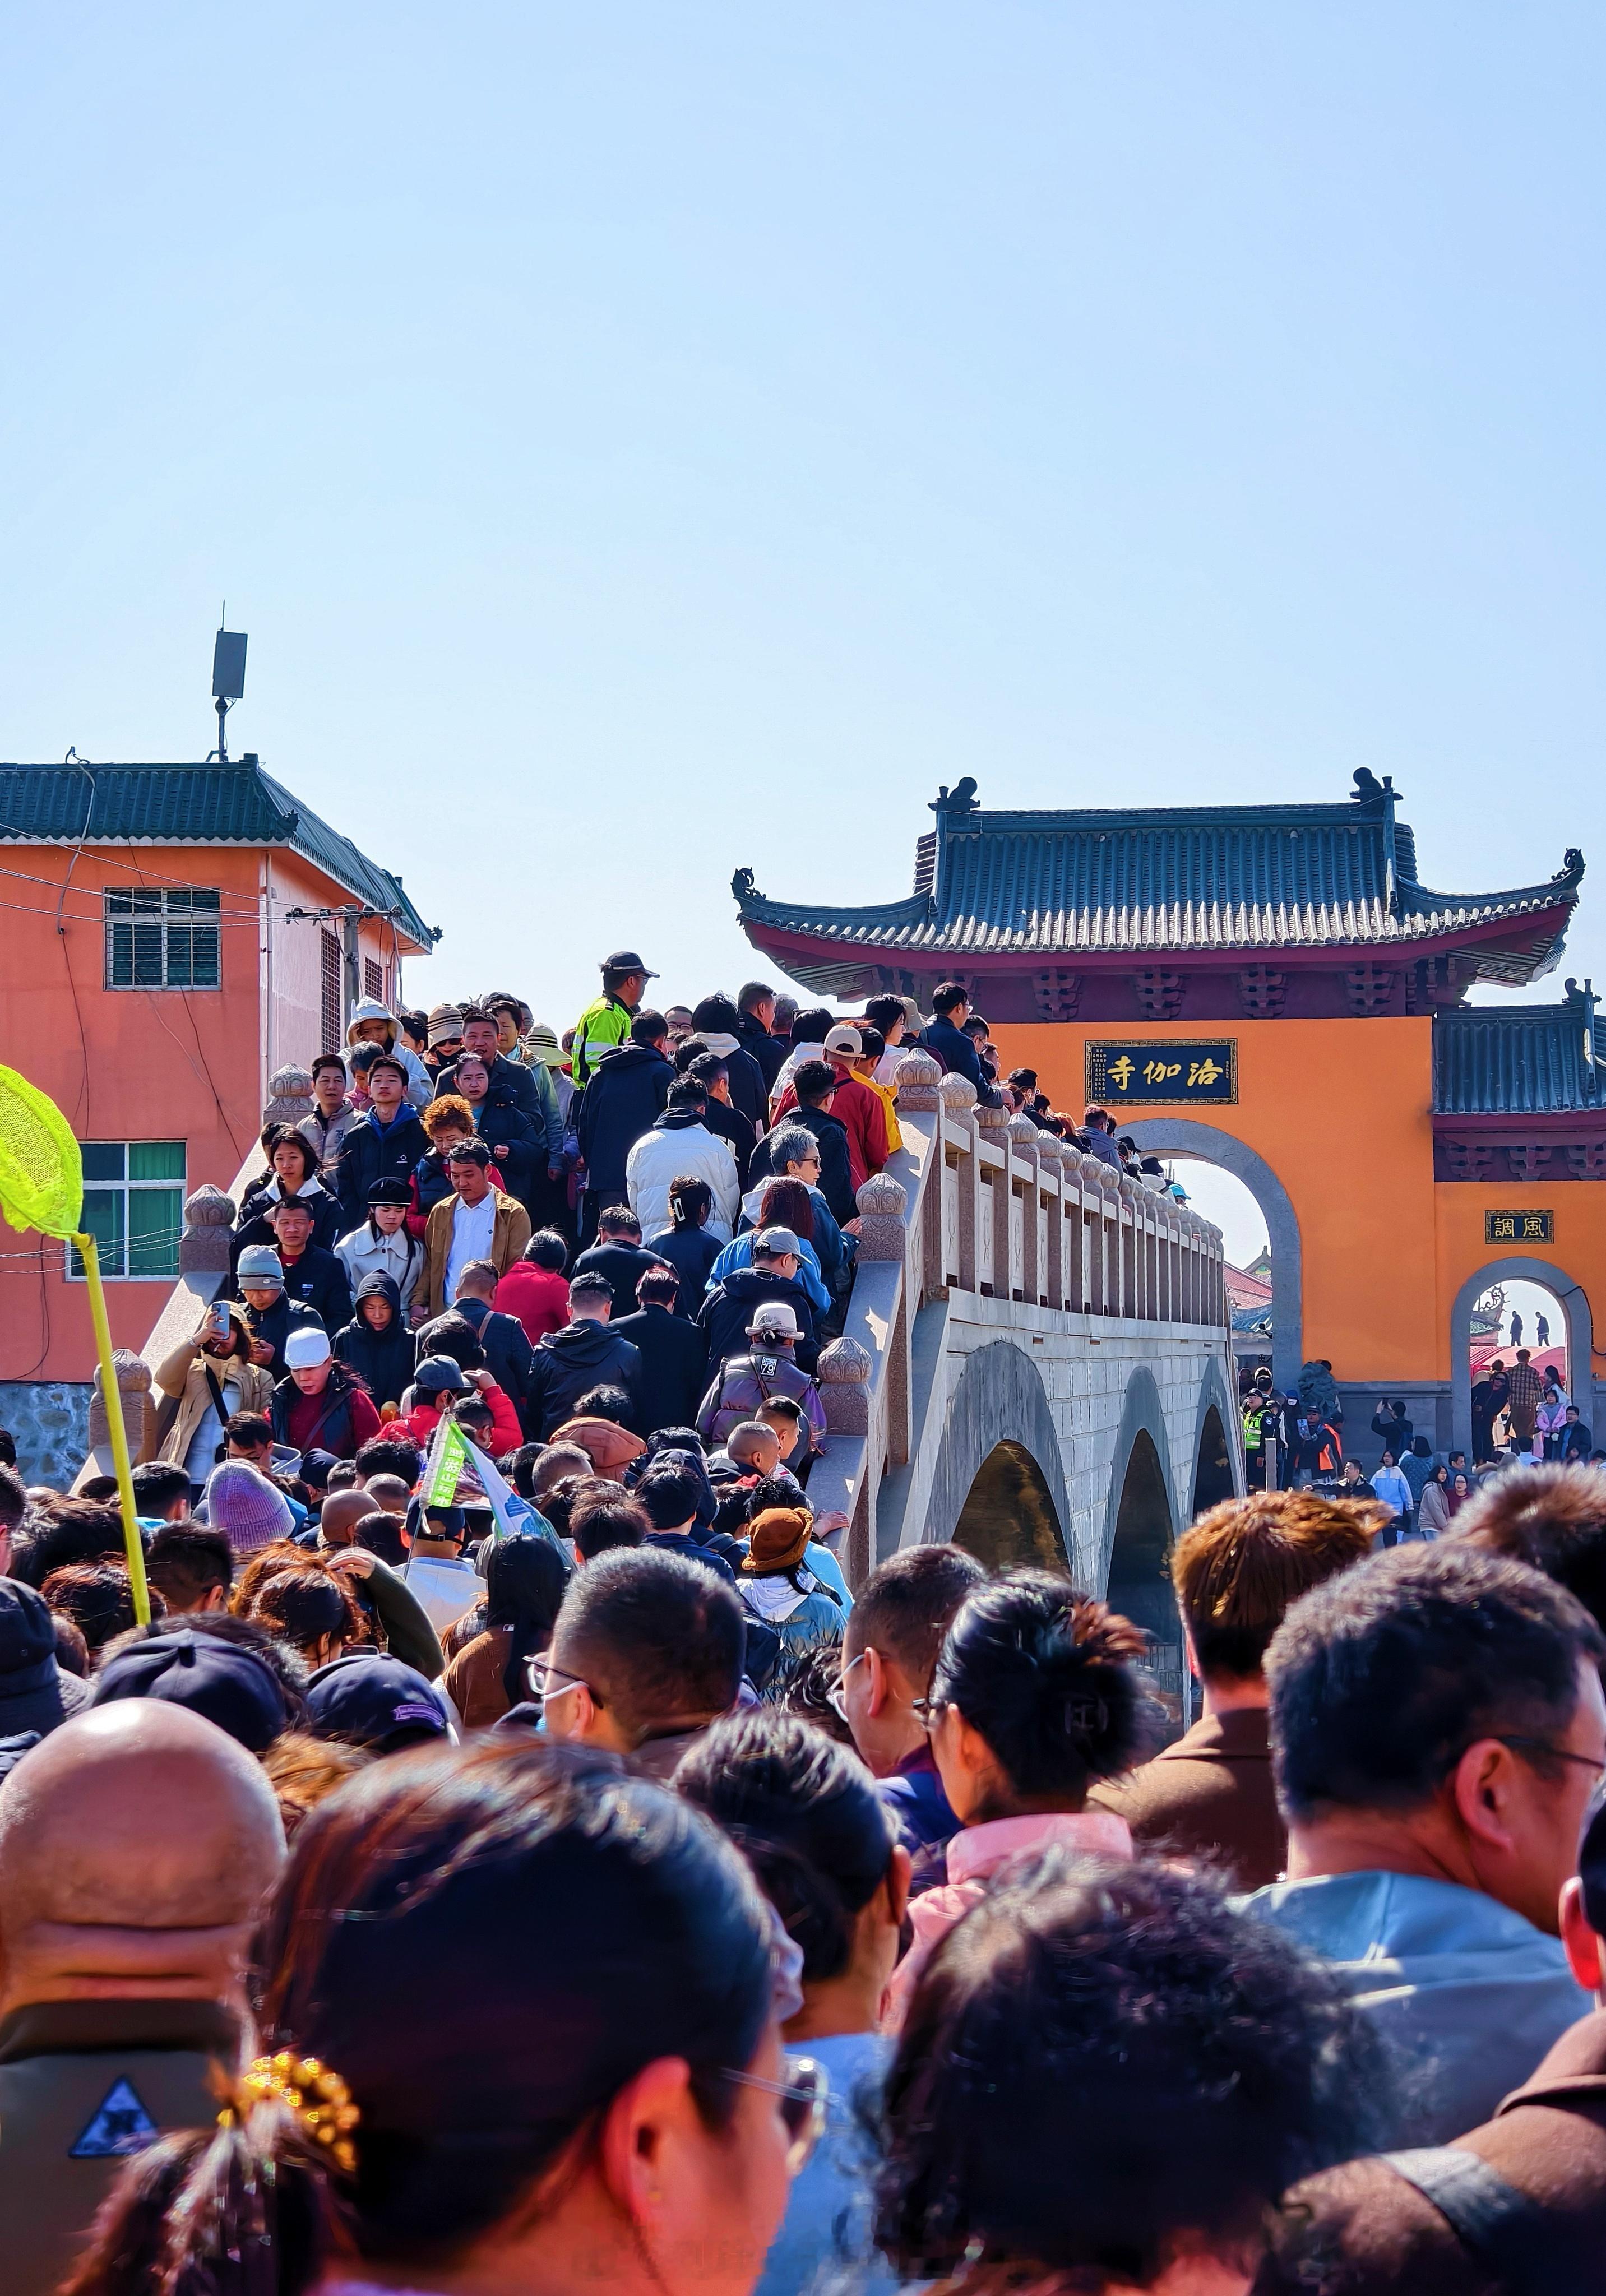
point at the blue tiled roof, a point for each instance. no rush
(1524, 1059)
(1194, 878)
(190, 805)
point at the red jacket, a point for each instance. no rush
(506, 1434)
(538, 1296)
(863, 1118)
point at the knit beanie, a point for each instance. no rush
(244, 1504)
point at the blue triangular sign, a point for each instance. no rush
(120, 2125)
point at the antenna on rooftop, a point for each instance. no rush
(228, 677)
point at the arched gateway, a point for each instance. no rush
(1274, 986)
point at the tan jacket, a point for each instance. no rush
(508, 1237)
(182, 1373)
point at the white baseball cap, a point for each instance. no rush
(306, 1345)
(844, 1040)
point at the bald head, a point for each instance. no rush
(136, 1845)
(387, 1495)
(340, 1514)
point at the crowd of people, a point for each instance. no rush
(510, 1857)
(1298, 1439)
(330, 1961)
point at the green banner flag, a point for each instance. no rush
(450, 1456)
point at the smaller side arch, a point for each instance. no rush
(1215, 1395)
(1144, 1414)
(1574, 1302)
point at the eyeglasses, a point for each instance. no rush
(804, 2095)
(836, 1698)
(1556, 1753)
(928, 1711)
(542, 1673)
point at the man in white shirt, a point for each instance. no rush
(477, 1221)
(438, 1576)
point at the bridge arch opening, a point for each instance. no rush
(1139, 1587)
(1009, 1520)
(1213, 1469)
(1206, 1143)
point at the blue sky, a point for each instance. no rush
(642, 440)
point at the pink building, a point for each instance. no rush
(174, 934)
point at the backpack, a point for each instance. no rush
(746, 1383)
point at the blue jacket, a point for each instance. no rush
(959, 1056)
(920, 1808)
(739, 1253)
(1469, 1993)
(830, 2211)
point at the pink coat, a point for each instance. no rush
(975, 1854)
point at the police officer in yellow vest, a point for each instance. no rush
(607, 1023)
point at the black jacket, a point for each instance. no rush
(509, 1081)
(836, 1173)
(768, 1050)
(674, 1357)
(319, 1281)
(959, 1056)
(569, 1362)
(252, 1225)
(365, 1157)
(502, 1123)
(728, 1310)
(509, 1356)
(624, 1098)
(274, 1325)
(623, 1264)
(749, 1091)
(690, 1252)
(382, 1360)
(730, 1125)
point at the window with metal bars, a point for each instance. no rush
(133, 1207)
(161, 938)
(334, 991)
(373, 980)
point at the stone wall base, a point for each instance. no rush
(48, 1420)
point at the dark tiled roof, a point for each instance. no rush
(1195, 877)
(1525, 1059)
(190, 805)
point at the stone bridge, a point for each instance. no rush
(1035, 1361)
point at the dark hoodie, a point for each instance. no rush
(382, 1360)
(728, 1310)
(569, 1362)
(624, 1098)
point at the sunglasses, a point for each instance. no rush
(804, 2095)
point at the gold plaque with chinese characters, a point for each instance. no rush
(1194, 1072)
(1519, 1227)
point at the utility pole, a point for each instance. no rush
(350, 920)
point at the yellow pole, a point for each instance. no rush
(89, 1253)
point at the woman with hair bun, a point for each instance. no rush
(806, 1814)
(1033, 1701)
(518, 2015)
